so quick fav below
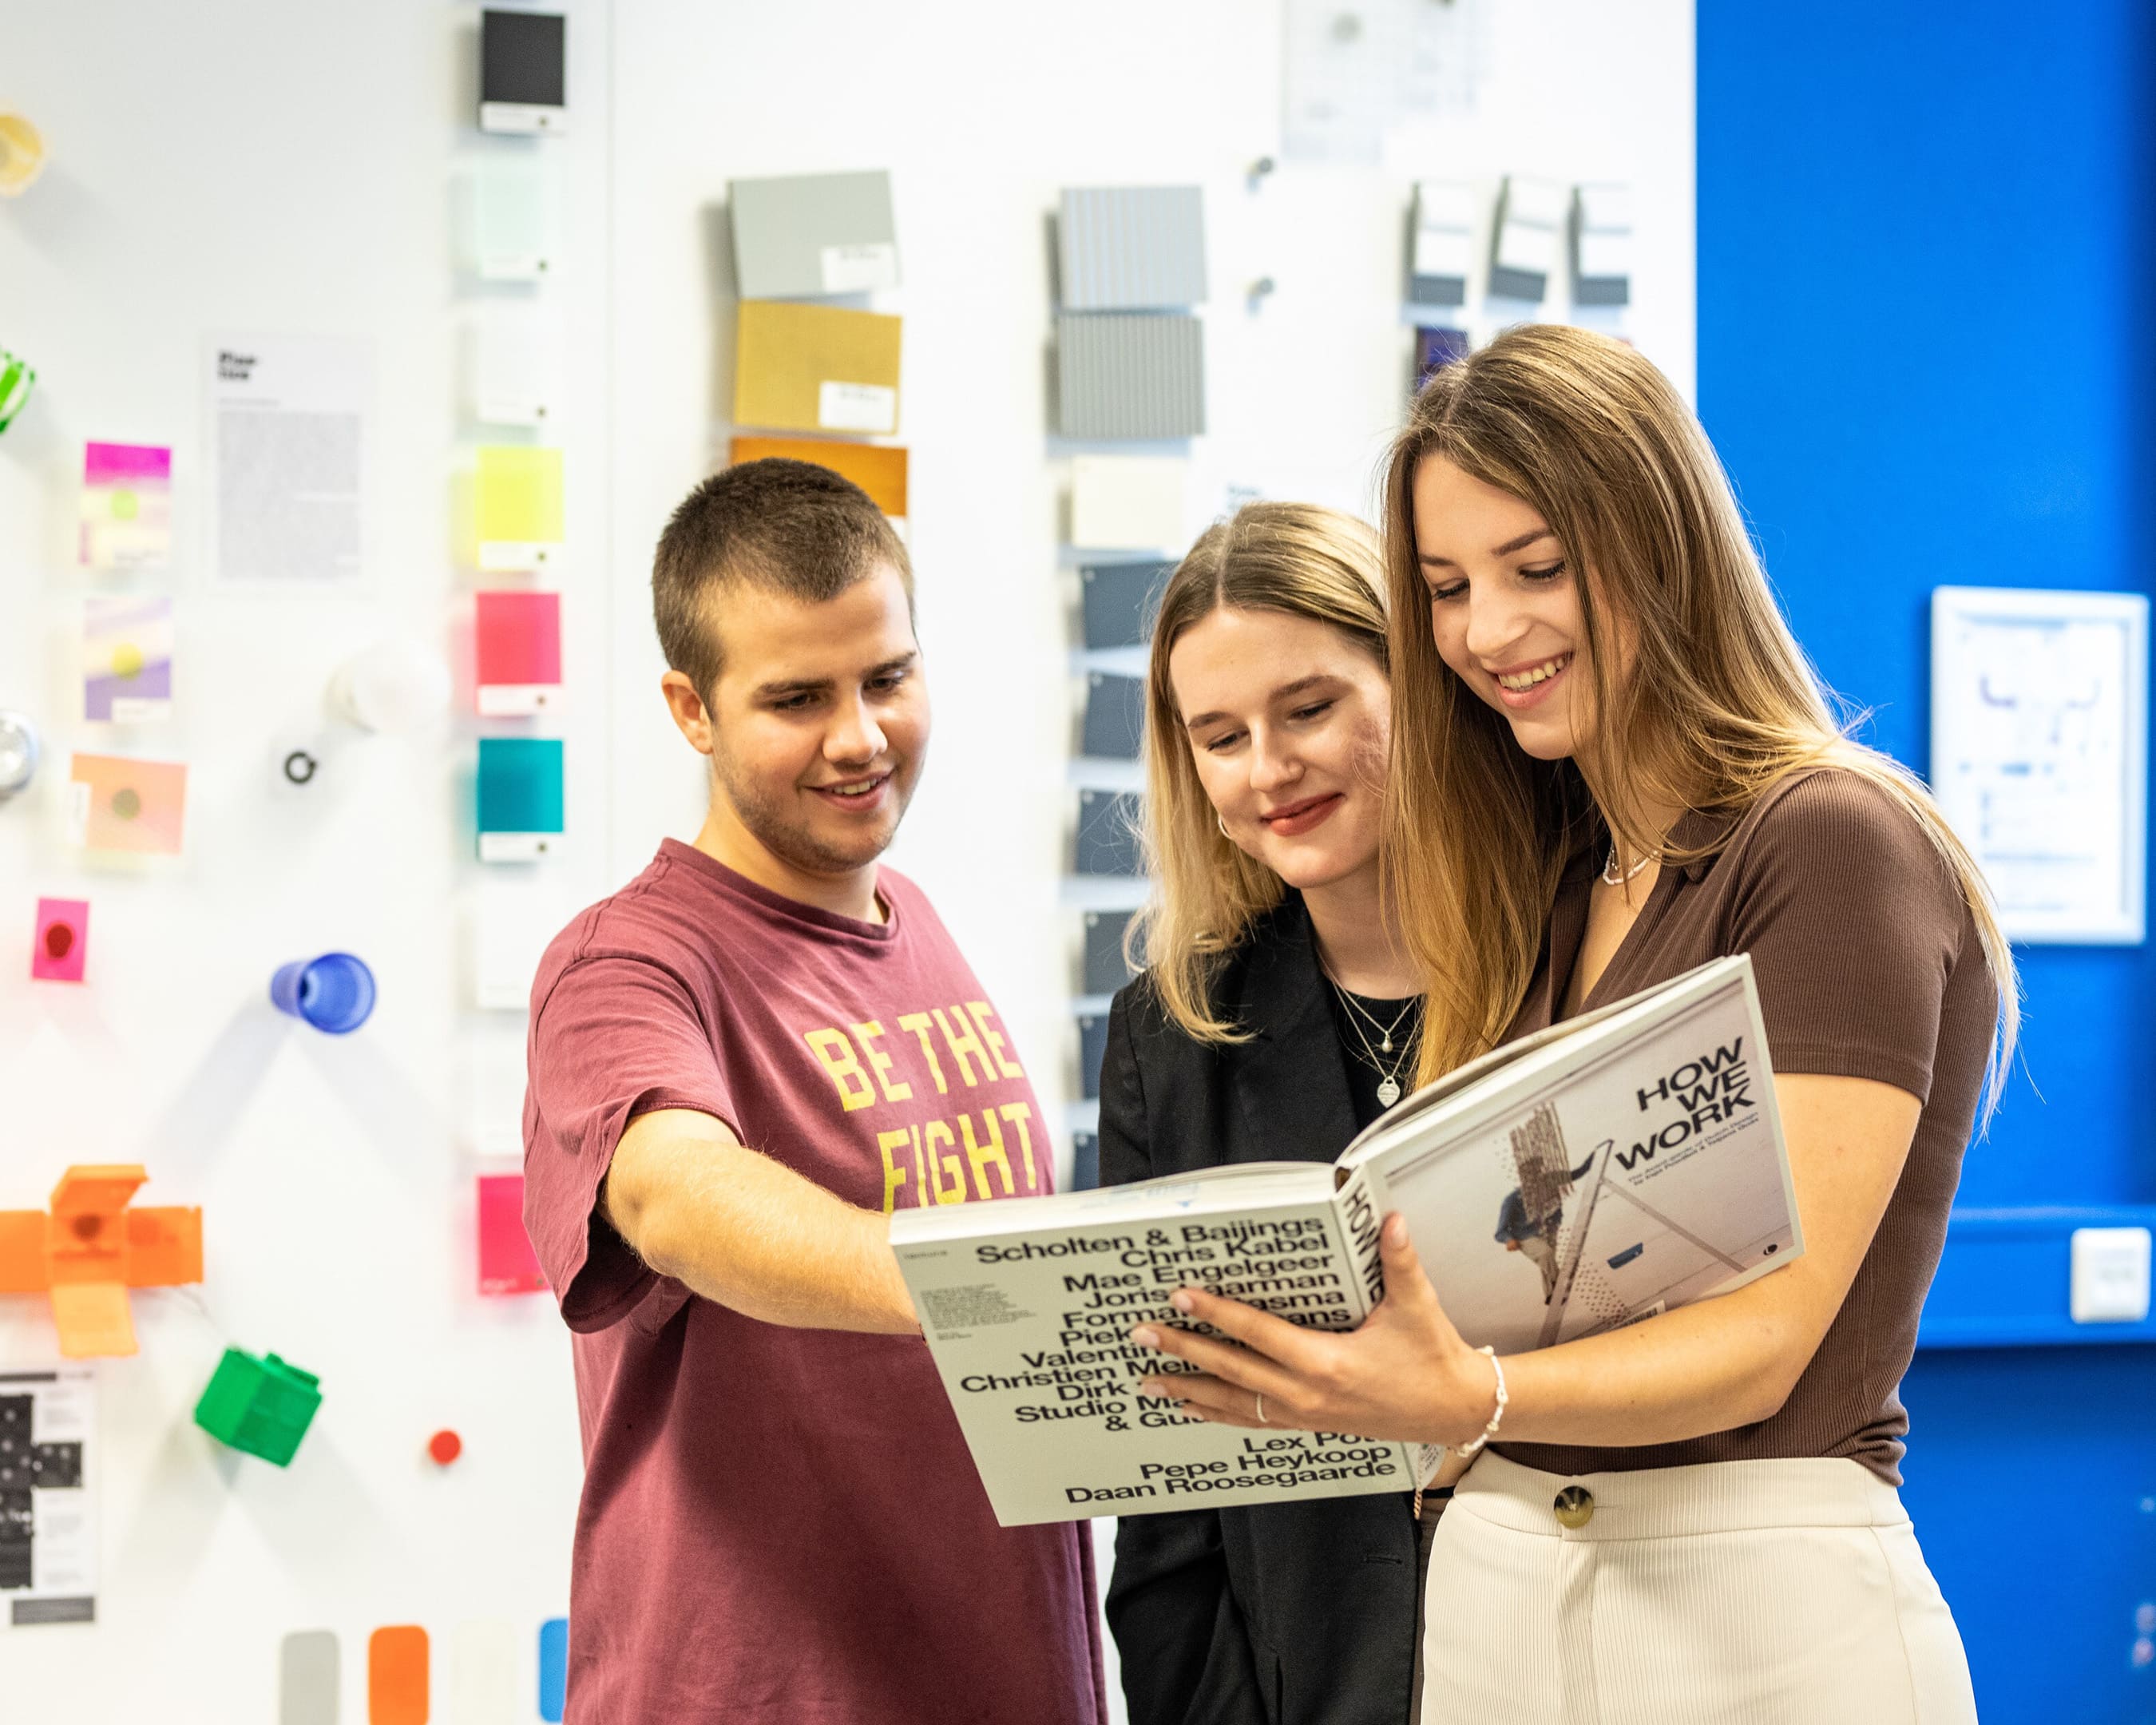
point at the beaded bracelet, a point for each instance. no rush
(1496, 1419)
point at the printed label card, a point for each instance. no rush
(127, 506)
(127, 661)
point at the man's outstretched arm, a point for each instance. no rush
(697, 1204)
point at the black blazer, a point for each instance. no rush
(1293, 1613)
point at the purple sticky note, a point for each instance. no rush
(62, 943)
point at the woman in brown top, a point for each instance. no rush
(1611, 763)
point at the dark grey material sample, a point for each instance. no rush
(1115, 716)
(1104, 970)
(1108, 832)
(1121, 600)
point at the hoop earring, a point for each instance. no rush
(1220, 821)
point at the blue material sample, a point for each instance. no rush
(553, 1669)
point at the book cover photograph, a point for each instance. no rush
(1615, 1166)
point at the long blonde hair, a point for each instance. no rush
(1720, 705)
(1290, 557)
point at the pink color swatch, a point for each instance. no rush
(125, 464)
(519, 652)
(506, 1262)
(62, 944)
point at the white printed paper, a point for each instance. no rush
(2039, 717)
(48, 1497)
(288, 460)
(856, 407)
(860, 269)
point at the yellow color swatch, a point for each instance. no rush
(816, 368)
(878, 469)
(517, 503)
(124, 804)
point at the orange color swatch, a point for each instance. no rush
(397, 1675)
(125, 804)
(878, 469)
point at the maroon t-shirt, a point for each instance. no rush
(777, 1524)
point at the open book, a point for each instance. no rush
(1593, 1174)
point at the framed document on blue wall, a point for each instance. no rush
(2039, 754)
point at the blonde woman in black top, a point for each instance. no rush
(1276, 1014)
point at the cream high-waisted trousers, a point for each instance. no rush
(1741, 1593)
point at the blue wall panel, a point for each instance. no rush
(1927, 354)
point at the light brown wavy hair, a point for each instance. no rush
(1720, 705)
(1294, 559)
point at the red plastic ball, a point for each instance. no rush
(445, 1446)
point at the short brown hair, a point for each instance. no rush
(788, 526)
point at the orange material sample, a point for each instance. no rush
(878, 469)
(92, 1248)
(397, 1675)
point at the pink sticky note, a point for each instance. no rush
(519, 638)
(506, 1262)
(63, 940)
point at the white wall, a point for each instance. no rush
(243, 164)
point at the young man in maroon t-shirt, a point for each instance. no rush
(740, 1064)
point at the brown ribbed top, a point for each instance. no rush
(1868, 966)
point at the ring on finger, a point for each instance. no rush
(1262, 1420)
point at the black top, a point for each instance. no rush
(1293, 1613)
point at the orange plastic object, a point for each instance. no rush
(92, 1248)
(444, 1446)
(397, 1675)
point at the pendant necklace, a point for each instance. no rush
(1611, 877)
(1388, 1077)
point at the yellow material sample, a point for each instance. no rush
(816, 368)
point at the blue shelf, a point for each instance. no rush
(2003, 1281)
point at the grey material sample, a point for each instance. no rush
(1121, 600)
(1130, 375)
(1131, 248)
(1105, 971)
(785, 228)
(1093, 1047)
(1108, 832)
(1115, 716)
(307, 1678)
(1437, 289)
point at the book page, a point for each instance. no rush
(1030, 1330)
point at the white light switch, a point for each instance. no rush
(2110, 1276)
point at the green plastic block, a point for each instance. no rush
(262, 1406)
